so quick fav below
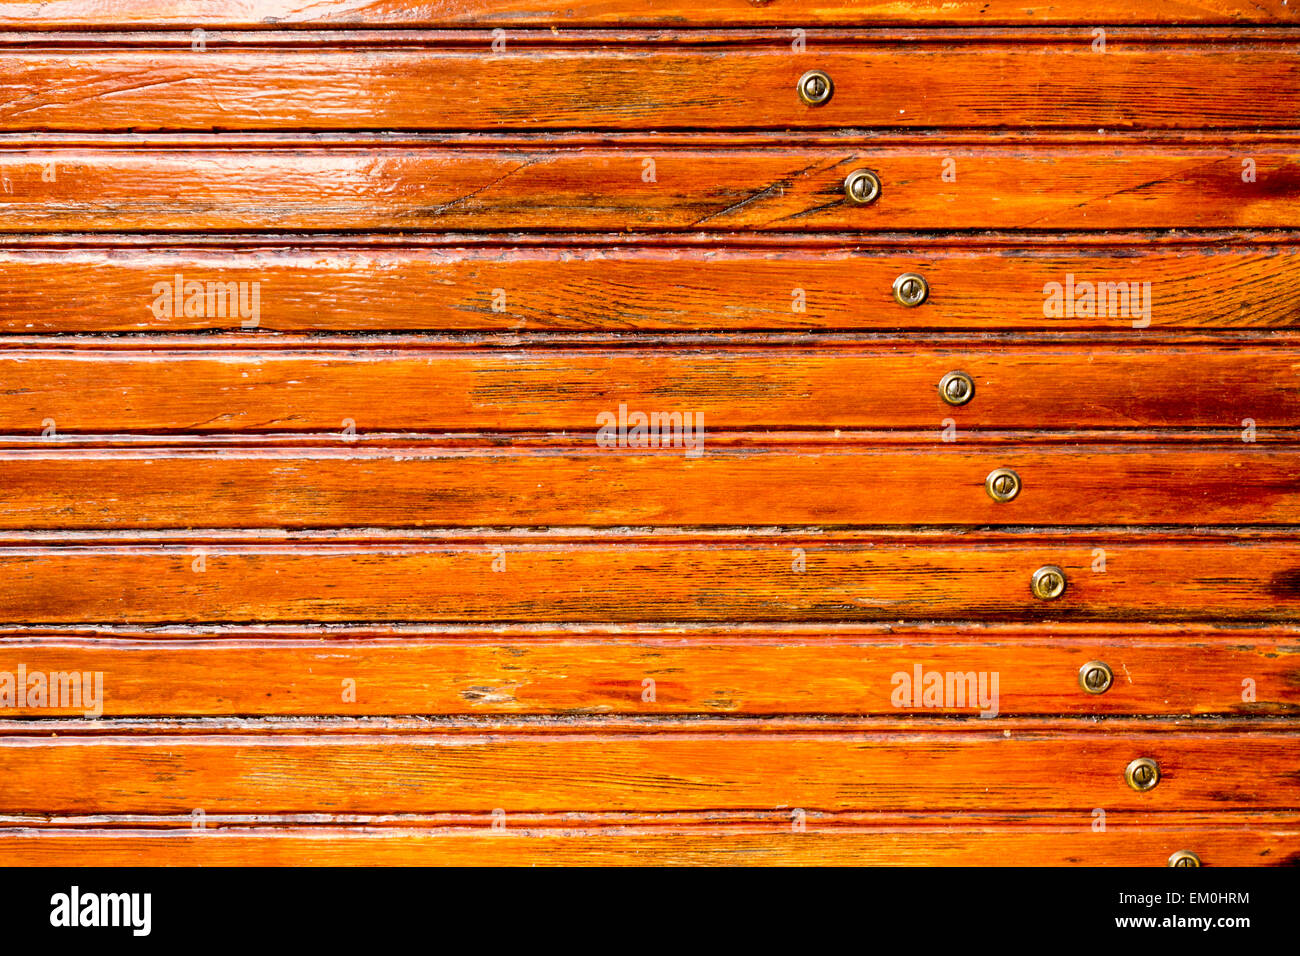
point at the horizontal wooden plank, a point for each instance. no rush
(1069, 842)
(617, 578)
(56, 14)
(823, 485)
(967, 769)
(1096, 186)
(66, 391)
(1130, 85)
(684, 289)
(640, 671)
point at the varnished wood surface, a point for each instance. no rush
(1068, 85)
(1248, 844)
(828, 484)
(58, 14)
(1247, 841)
(969, 768)
(358, 581)
(731, 670)
(1094, 186)
(629, 578)
(385, 390)
(582, 288)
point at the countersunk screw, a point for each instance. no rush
(1096, 677)
(911, 289)
(815, 88)
(1142, 774)
(1048, 583)
(862, 186)
(1002, 484)
(956, 388)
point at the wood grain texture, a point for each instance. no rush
(582, 288)
(825, 485)
(1130, 85)
(1236, 841)
(726, 670)
(975, 768)
(381, 390)
(58, 14)
(356, 577)
(1098, 186)
(623, 578)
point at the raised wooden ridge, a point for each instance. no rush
(618, 578)
(732, 670)
(1036, 387)
(993, 769)
(1127, 186)
(836, 484)
(280, 14)
(564, 287)
(1130, 86)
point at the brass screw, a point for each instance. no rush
(1048, 583)
(1184, 858)
(1002, 484)
(911, 289)
(1096, 677)
(862, 187)
(957, 388)
(815, 88)
(1142, 774)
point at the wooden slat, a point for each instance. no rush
(1059, 386)
(1249, 841)
(694, 671)
(56, 14)
(967, 768)
(819, 484)
(618, 579)
(1098, 186)
(976, 85)
(582, 288)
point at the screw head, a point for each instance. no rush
(815, 88)
(1184, 858)
(1095, 677)
(1142, 774)
(1048, 583)
(862, 187)
(956, 388)
(1002, 484)
(911, 289)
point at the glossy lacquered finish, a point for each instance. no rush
(331, 530)
(160, 391)
(1106, 183)
(608, 766)
(264, 14)
(850, 669)
(820, 482)
(1065, 84)
(622, 577)
(606, 284)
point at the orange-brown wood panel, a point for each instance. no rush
(1104, 185)
(57, 14)
(1130, 85)
(656, 577)
(1229, 840)
(736, 670)
(586, 288)
(65, 391)
(927, 768)
(824, 484)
